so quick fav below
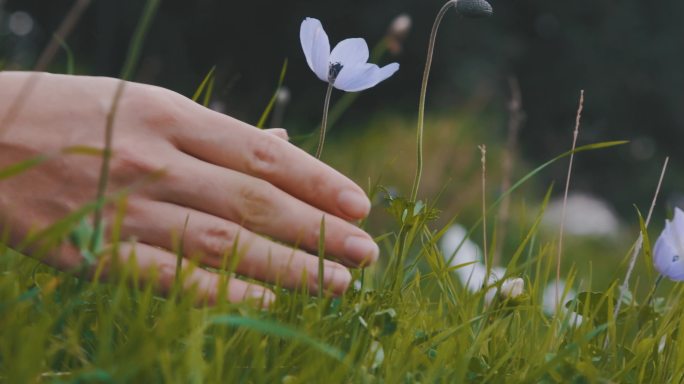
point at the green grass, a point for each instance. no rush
(55, 327)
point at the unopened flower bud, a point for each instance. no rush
(512, 288)
(397, 32)
(401, 25)
(474, 8)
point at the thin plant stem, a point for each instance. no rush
(649, 298)
(483, 160)
(61, 34)
(132, 58)
(133, 55)
(516, 117)
(640, 240)
(321, 257)
(104, 170)
(575, 134)
(324, 121)
(423, 93)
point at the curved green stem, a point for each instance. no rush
(423, 93)
(324, 122)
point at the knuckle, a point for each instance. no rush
(156, 107)
(256, 203)
(218, 239)
(130, 160)
(263, 155)
(165, 270)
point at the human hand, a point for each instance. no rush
(237, 185)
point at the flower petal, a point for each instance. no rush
(360, 77)
(678, 221)
(316, 47)
(350, 52)
(666, 257)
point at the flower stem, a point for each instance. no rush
(575, 134)
(324, 122)
(423, 93)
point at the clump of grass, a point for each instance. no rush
(423, 327)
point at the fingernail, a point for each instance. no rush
(336, 278)
(361, 249)
(354, 204)
(264, 296)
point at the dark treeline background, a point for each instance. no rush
(628, 55)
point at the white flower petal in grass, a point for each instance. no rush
(512, 288)
(496, 274)
(316, 47)
(573, 319)
(468, 252)
(377, 353)
(668, 253)
(475, 280)
(346, 67)
(549, 300)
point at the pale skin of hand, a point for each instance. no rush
(233, 182)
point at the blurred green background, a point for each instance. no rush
(628, 55)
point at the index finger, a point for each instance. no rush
(230, 143)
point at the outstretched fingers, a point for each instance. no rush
(219, 243)
(160, 265)
(229, 143)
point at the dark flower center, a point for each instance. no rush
(675, 258)
(334, 71)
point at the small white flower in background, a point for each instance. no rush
(468, 253)
(397, 33)
(346, 67)
(549, 300)
(473, 275)
(477, 280)
(357, 285)
(574, 318)
(512, 288)
(668, 254)
(401, 25)
(586, 215)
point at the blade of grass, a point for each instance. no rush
(321, 257)
(209, 77)
(135, 48)
(271, 103)
(273, 328)
(131, 62)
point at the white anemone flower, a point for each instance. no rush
(346, 67)
(668, 254)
